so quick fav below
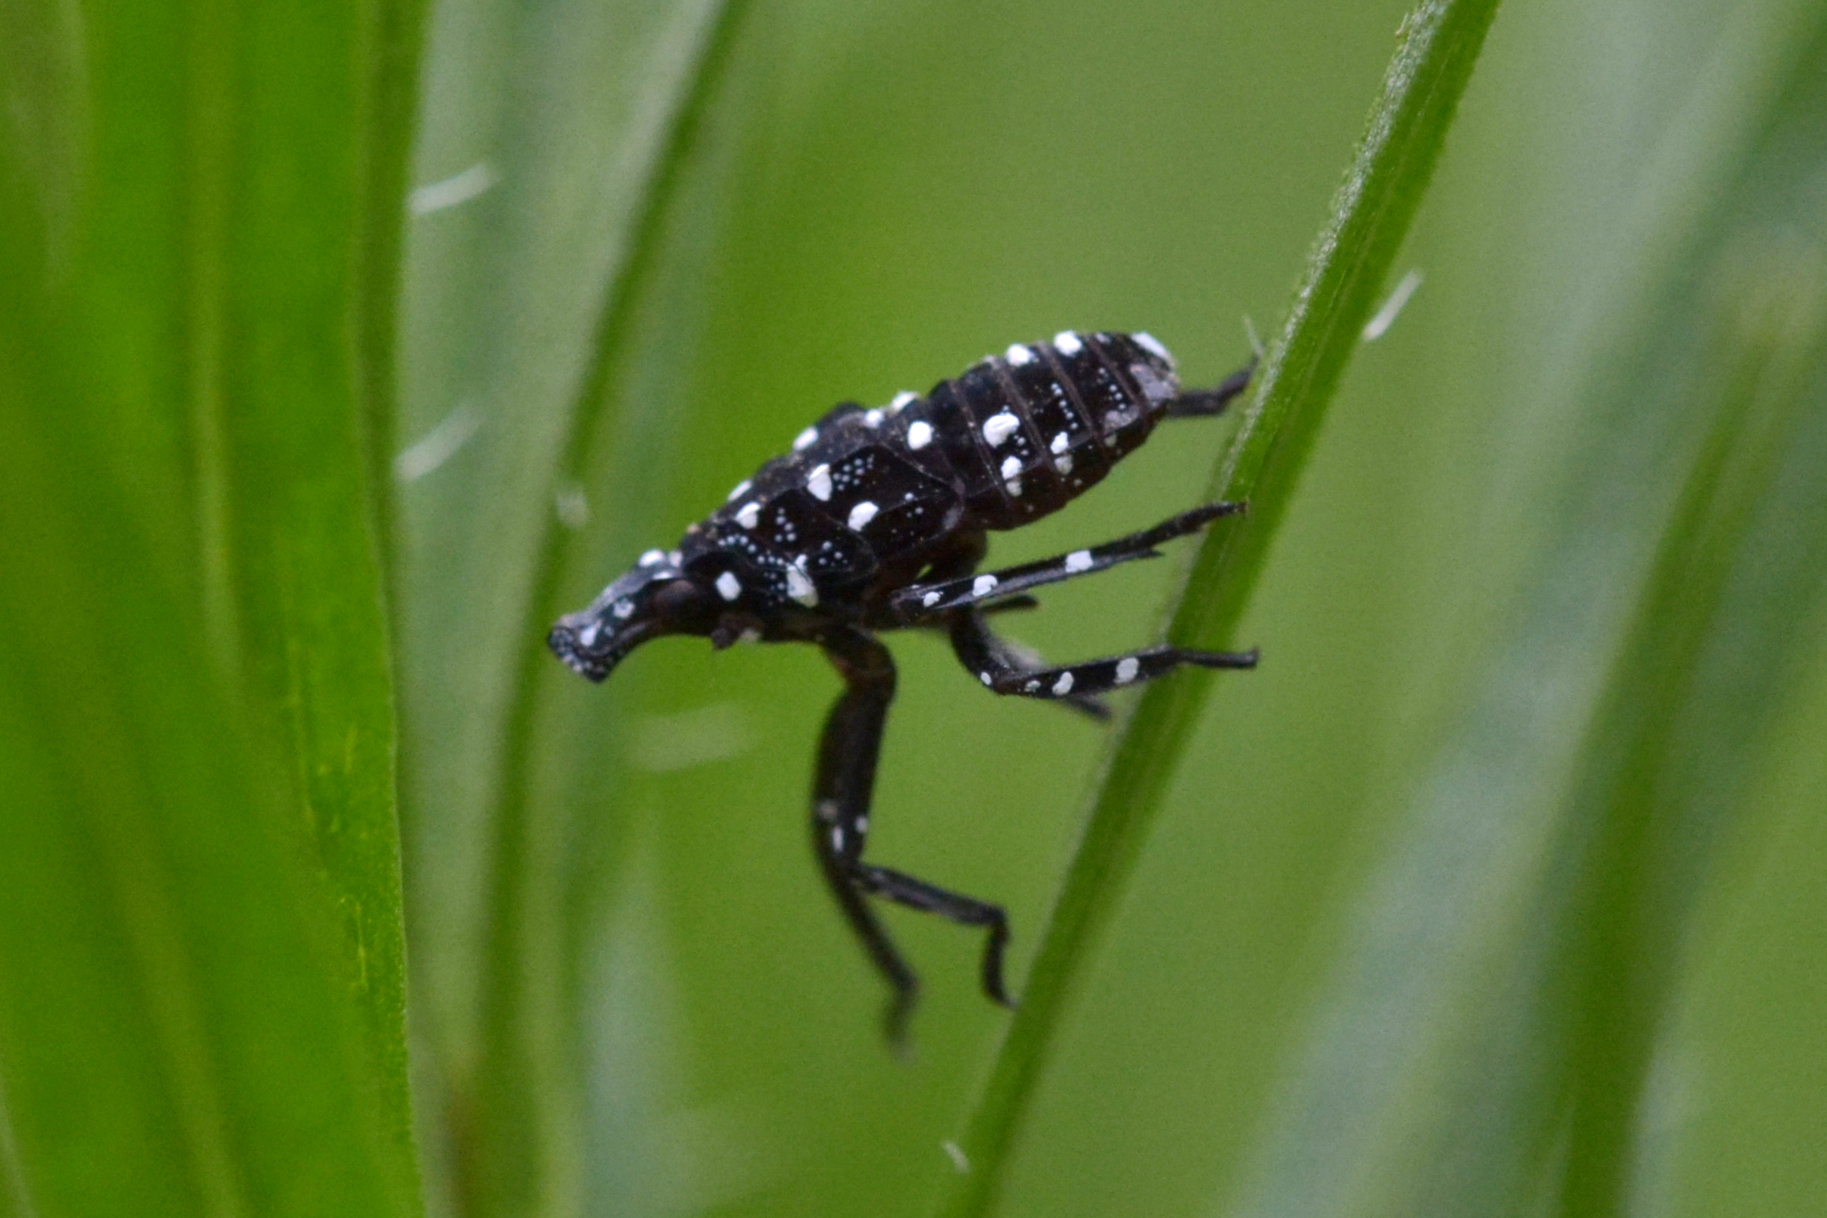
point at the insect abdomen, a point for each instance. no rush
(1015, 437)
(1028, 431)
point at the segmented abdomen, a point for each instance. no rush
(1015, 437)
(1025, 432)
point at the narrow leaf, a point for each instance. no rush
(204, 943)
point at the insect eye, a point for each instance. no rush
(679, 603)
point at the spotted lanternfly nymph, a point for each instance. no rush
(876, 521)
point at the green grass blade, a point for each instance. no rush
(197, 204)
(297, 455)
(178, 1032)
(1439, 46)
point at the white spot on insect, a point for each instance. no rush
(986, 678)
(588, 635)
(837, 837)
(919, 434)
(1063, 686)
(862, 824)
(728, 586)
(749, 635)
(1127, 667)
(1078, 560)
(1030, 687)
(674, 558)
(931, 599)
(1063, 464)
(902, 401)
(1152, 345)
(982, 585)
(749, 515)
(1061, 443)
(1067, 343)
(651, 557)
(1011, 466)
(805, 439)
(799, 585)
(1019, 355)
(623, 608)
(1114, 419)
(819, 482)
(872, 418)
(1153, 387)
(999, 427)
(862, 514)
(741, 489)
(1013, 486)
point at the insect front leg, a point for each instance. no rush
(977, 651)
(847, 756)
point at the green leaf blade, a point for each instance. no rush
(202, 680)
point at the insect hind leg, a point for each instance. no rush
(975, 650)
(1114, 672)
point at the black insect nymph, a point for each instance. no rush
(876, 521)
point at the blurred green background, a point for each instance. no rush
(343, 347)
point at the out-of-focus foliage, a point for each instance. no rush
(1496, 889)
(202, 971)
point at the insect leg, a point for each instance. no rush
(968, 911)
(921, 600)
(1203, 403)
(1015, 657)
(976, 650)
(847, 755)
